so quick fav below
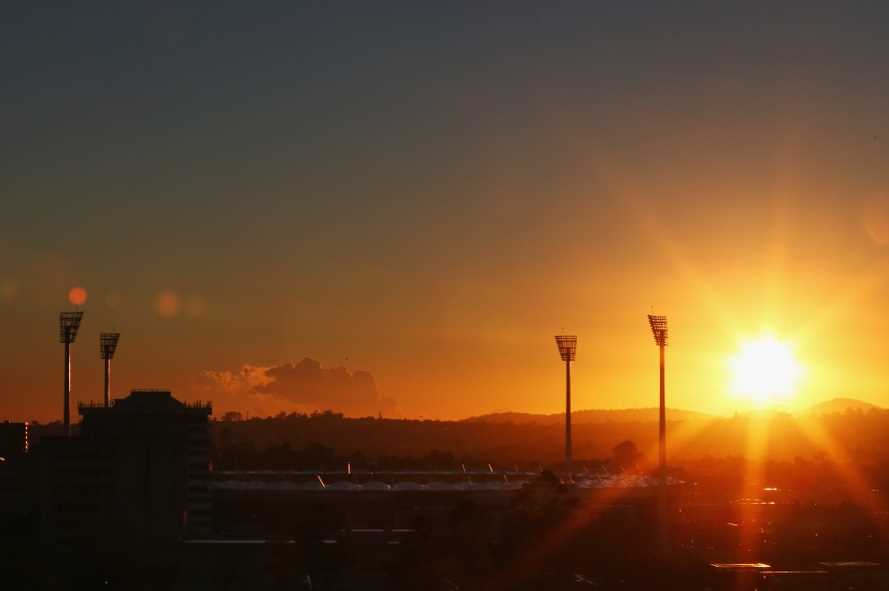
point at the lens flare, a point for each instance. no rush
(77, 296)
(167, 304)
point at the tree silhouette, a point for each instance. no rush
(625, 455)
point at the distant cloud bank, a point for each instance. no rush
(303, 386)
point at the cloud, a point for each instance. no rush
(304, 386)
(243, 381)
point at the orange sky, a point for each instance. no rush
(476, 340)
(431, 198)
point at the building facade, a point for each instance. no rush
(139, 469)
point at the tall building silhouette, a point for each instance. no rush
(139, 469)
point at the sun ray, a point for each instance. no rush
(859, 488)
(840, 304)
(749, 506)
(679, 435)
(652, 229)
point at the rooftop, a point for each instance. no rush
(145, 400)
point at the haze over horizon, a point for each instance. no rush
(394, 209)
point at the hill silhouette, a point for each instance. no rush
(840, 405)
(329, 439)
(582, 417)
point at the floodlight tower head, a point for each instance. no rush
(108, 344)
(658, 329)
(69, 322)
(567, 345)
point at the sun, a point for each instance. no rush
(765, 372)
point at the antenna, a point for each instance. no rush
(567, 345)
(107, 347)
(69, 322)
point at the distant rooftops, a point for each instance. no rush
(146, 400)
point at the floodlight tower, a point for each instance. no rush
(567, 345)
(107, 347)
(69, 322)
(659, 330)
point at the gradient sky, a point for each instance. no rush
(429, 193)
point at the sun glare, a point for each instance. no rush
(765, 372)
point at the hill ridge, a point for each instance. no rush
(841, 404)
(593, 415)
